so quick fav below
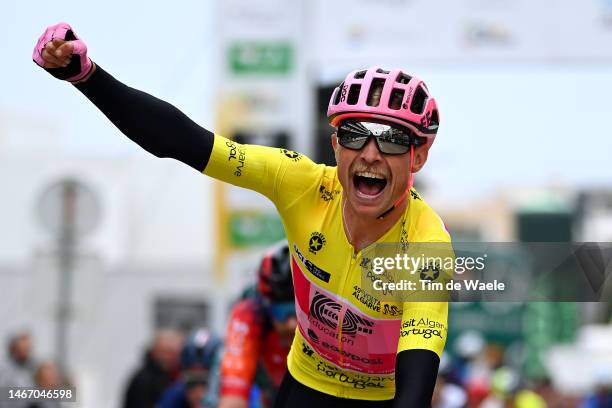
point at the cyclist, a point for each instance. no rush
(259, 334)
(351, 348)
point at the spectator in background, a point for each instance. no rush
(18, 370)
(602, 396)
(446, 393)
(48, 377)
(157, 372)
(553, 397)
(471, 369)
(504, 384)
(527, 398)
(196, 388)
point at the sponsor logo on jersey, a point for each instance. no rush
(430, 273)
(313, 336)
(366, 299)
(425, 327)
(312, 268)
(404, 236)
(348, 340)
(326, 310)
(307, 350)
(295, 156)
(356, 380)
(328, 195)
(238, 154)
(366, 270)
(316, 242)
(352, 356)
(391, 310)
(374, 304)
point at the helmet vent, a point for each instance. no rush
(435, 120)
(338, 93)
(381, 71)
(397, 95)
(403, 78)
(375, 92)
(353, 95)
(418, 101)
(360, 74)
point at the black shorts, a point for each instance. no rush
(293, 394)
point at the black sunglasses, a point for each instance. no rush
(389, 139)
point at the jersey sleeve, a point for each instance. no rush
(241, 350)
(424, 326)
(281, 175)
(425, 323)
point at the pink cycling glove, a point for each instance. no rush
(80, 65)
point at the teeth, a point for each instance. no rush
(370, 175)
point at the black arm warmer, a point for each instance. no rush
(155, 125)
(415, 377)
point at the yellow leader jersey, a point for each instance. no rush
(347, 338)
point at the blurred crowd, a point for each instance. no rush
(182, 371)
(21, 369)
(484, 375)
(177, 371)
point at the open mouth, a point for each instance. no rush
(369, 184)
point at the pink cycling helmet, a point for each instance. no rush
(393, 96)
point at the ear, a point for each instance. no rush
(334, 141)
(335, 146)
(420, 158)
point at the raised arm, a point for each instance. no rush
(158, 127)
(155, 125)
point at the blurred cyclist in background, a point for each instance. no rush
(196, 386)
(259, 334)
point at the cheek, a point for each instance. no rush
(343, 171)
(400, 168)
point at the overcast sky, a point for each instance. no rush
(163, 48)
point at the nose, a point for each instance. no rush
(370, 152)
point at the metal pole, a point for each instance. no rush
(66, 249)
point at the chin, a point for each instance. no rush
(366, 213)
(371, 211)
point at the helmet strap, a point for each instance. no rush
(405, 193)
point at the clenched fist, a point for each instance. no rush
(61, 53)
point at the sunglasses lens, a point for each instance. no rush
(354, 143)
(390, 140)
(392, 147)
